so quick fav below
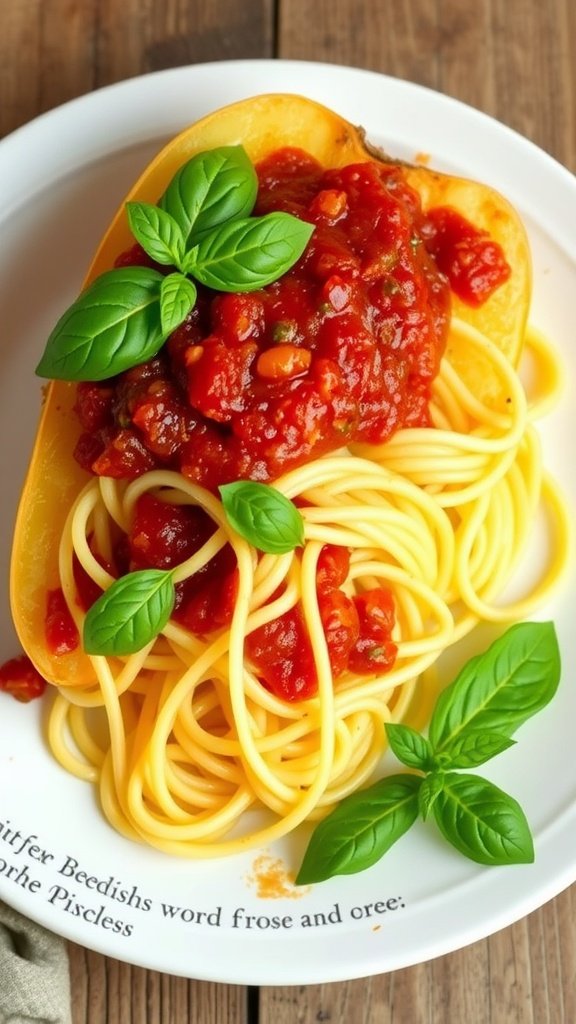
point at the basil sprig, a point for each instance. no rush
(472, 721)
(346, 843)
(211, 189)
(202, 227)
(263, 515)
(158, 233)
(177, 298)
(130, 614)
(114, 325)
(502, 691)
(247, 254)
(482, 821)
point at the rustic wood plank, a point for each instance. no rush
(534, 73)
(105, 991)
(450, 989)
(53, 51)
(45, 57)
(513, 60)
(177, 32)
(525, 974)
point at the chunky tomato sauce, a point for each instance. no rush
(358, 629)
(343, 348)
(473, 263)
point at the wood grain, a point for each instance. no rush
(55, 50)
(511, 58)
(514, 59)
(525, 974)
(105, 990)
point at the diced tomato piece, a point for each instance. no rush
(218, 382)
(205, 458)
(374, 650)
(94, 404)
(19, 678)
(88, 449)
(341, 628)
(332, 567)
(237, 317)
(124, 457)
(282, 656)
(163, 535)
(59, 626)
(162, 419)
(210, 605)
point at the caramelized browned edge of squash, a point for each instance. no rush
(262, 125)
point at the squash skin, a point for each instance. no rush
(262, 124)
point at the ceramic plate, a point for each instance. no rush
(62, 176)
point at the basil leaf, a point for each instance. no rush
(128, 615)
(361, 829)
(482, 822)
(499, 690)
(263, 516)
(210, 189)
(409, 746)
(247, 254)
(430, 789)
(112, 326)
(470, 749)
(177, 298)
(158, 233)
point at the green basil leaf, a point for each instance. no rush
(470, 749)
(361, 829)
(130, 614)
(410, 746)
(112, 326)
(157, 232)
(499, 690)
(212, 188)
(430, 789)
(482, 822)
(263, 516)
(247, 254)
(177, 298)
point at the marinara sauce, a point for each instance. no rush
(343, 348)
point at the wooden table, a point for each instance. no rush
(516, 60)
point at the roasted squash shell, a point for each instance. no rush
(262, 125)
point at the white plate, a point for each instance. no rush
(62, 177)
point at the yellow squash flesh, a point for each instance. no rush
(261, 125)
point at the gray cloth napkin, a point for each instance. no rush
(34, 974)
